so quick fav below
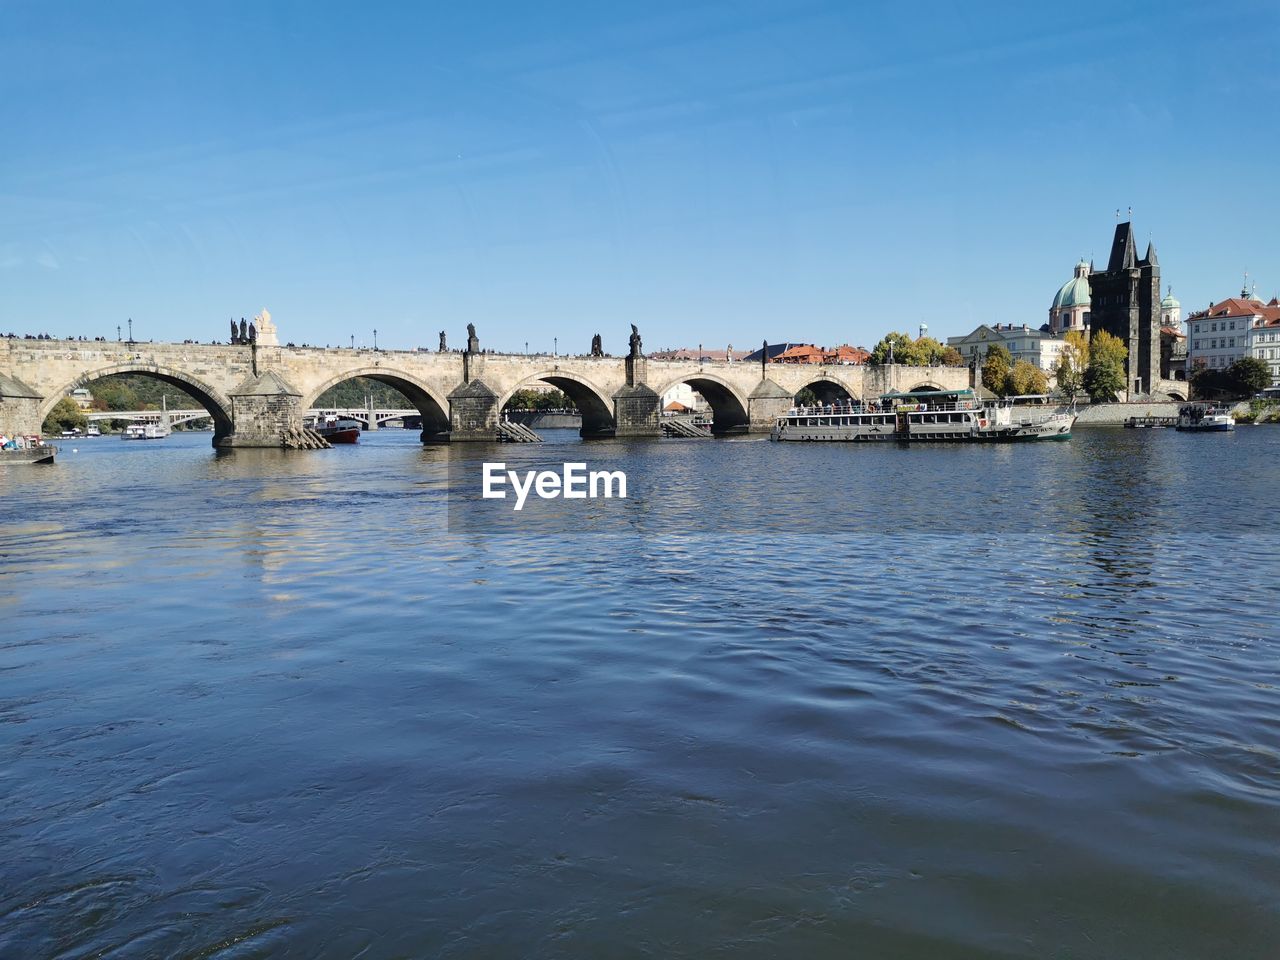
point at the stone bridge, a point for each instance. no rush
(255, 392)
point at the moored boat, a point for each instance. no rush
(955, 416)
(22, 450)
(336, 429)
(1205, 418)
(145, 431)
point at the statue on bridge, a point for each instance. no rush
(597, 346)
(235, 333)
(635, 342)
(253, 333)
(473, 342)
(244, 331)
(764, 359)
(443, 346)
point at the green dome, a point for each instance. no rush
(1075, 292)
(1169, 302)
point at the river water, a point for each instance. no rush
(786, 700)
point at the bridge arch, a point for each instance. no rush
(923, 386)
(728, 405)
(219, 406)
(828, 389)
(428, 401)
(593, 403)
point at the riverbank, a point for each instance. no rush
(1115, 414)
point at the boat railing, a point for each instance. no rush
(931, 407)
(825, 410)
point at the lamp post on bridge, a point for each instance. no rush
(117, 333)
(353, 341)
(131, 329)
(555, 346)
(375, 338)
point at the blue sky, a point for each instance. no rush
(715, 173)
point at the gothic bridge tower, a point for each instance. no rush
(1125, 301)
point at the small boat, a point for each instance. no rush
(336, 429)
(26, 450)
(93, 431)
(949, 416)
(1205, 418)
(73, 432)
(145, 431)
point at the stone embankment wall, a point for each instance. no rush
(1115, 414)
(548, 421)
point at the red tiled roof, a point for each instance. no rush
(800, 353)
(808, 353)
(1233, 308)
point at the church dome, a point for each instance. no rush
(1075, 292)
(1170, 302)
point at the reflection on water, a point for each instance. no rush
(790, 700)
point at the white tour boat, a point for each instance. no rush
(1205, 418)
(145, 431)
(955, 416)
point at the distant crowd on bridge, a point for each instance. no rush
(45, 336)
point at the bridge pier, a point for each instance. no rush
(473, 414)
(636, 412)
(263, 409)
(637, 408)
(19, 408)
(765, 404)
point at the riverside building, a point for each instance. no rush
(1037, 346)
(1237, 327)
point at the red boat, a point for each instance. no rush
(337, 430)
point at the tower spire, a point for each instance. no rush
(1123, 255)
